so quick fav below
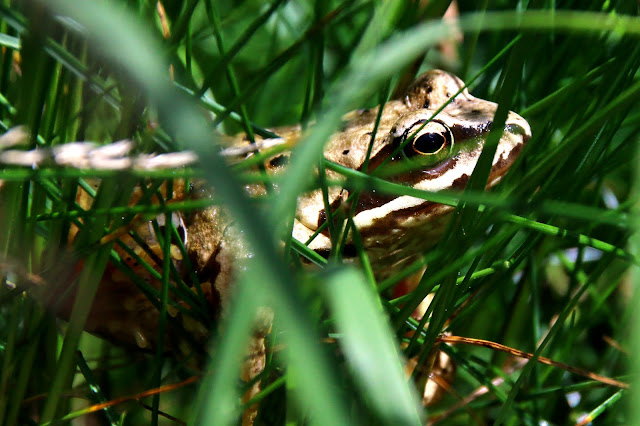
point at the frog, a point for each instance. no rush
(395, 230)
(437, 128)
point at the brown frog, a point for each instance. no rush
(440, 152)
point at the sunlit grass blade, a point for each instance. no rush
(183, 119)
(369, 347)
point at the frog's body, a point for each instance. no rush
(393, 228)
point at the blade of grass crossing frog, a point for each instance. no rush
(285, 300)
(429, 281)
(138, 57)
(459, 240)
(36, 245)
(220, 404)
(350, 228)
(184, 292)
(508, 87)
(200, 301)
(162, 323)
(369, 346)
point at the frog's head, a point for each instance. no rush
(442, 148)
(429, 150)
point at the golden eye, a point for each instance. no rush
(433, 140)
(428, 143)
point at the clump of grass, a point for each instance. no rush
(539, 264)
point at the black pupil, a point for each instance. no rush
(429, 143)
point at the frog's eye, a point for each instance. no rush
(433, 140)
(428, 143)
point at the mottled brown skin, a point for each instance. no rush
(394, 229)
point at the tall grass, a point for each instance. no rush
(540, 264)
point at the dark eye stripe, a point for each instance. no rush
(468, 131)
